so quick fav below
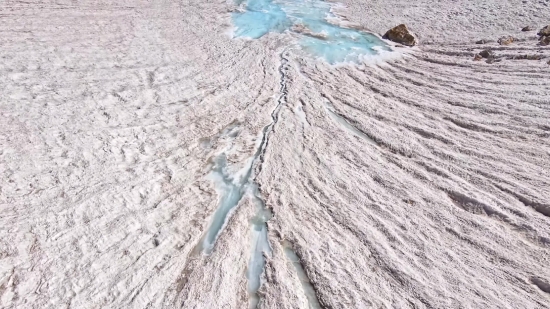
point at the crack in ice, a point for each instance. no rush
(231, 189)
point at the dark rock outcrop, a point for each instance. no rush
(401, 35)
(528, 28)
(544, 36)
(544, 31)
(487, 53)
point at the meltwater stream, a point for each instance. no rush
(233, 186)
(309, 20)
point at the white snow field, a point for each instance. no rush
(273, 154)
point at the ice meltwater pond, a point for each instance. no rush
(310, 20)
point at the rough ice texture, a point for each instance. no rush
(419, 183)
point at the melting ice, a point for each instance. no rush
(308, 19)
(231, 188)
(230, 191)
(260, 245)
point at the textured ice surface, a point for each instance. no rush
(111, 113)
(310, 20)
(339, 119)
(308, 289)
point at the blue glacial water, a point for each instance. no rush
(309, 20)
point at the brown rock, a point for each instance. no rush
(544, 41)
(528, 28)
(506, 40)
(477, 57)
(401, 35)
(544, 31)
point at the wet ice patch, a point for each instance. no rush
(310, 21)
(299, 111)
(231, 188)
(230, 191)
(260, 246)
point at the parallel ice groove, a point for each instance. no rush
(431, 170)
(308, 289)
(348, 126)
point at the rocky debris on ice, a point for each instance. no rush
(506, 40)
(544, 34)
(544, 31)
(487, 53)
(527, 28)
(525, 57)
(401, 34)
(491, 57)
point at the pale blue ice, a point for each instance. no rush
(260, 246)
(230, 192)
(308, 19)
(231, 189)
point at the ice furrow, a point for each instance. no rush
(232, 187)
(259, 224)
(348, 126)
(307, 287)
